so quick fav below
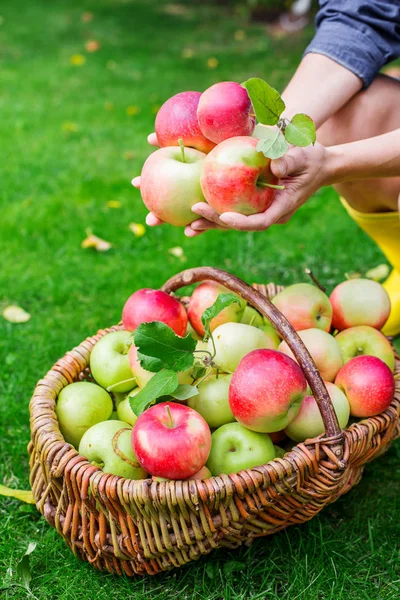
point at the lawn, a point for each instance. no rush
(73, 133)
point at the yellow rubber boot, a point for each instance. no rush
(384, 229)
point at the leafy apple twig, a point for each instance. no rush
(268, 107)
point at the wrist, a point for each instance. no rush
(334, 167)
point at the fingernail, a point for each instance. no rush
(280, 167)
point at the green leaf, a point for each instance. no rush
(267, 102)
(163, 383)
(23, 495)
(185, 391)
(198, 371)
(300, 131)
(160, 348)
(223, 301)
(23, 567)
(273, 145)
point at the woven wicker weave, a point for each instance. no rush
(139, 527)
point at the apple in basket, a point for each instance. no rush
(305, 306)
(365, 340)
(359, 302)
(203, 297)
(147, 305)
(109, 361)
(171, 440)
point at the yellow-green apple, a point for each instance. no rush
(212, 401)
(177, 119)
(368, 384)
(251, 316)
(203, 473)
(171, 440)
(359, 302)
(324, 349)
(305, 306)
(79, 406)
(235, 177)
(360, 340)
(266, 390)
(225, 111)
(235, 448)
(148, 305)
(142, 377)
(308, 422)
(109, 446)
(232, 341)
(170, 184)
(109, 361)
(279, 452)
(124, 411)
(203, 297)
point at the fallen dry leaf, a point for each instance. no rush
(87, 16)
(23, 495)
(178, 252)
(137, 229)
(77, 60)
(70, 127)
(187, 53)
(92, 46)
(212, 62)
(240, 35)
(378, 273)
(114, 204)
(15, 314)
(131, 111)
(92, 241)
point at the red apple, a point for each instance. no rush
(359, 302)
(266, 390)
(324, 349)
(170, 184)
(305, 306)
(202, 298)
(177, 118)
(368, 384)
(225, 111)
(172, 440)
(235, 177)
(148, 305)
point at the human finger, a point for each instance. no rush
(152, 139)
(152, 220)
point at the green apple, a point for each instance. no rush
(308, 421)
(109, 446)
(124, 411)
(251, 316)
(279, 452)
(365, 340)
(233, 341)
(235, 448)
(212, 401)
(79, 406)
(109, 362)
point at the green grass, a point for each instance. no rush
(57, 183)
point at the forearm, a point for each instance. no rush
(365, 159)
(319, 88)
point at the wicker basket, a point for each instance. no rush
(144, 527)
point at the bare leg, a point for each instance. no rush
(369, 113)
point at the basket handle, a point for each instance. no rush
(284, 328)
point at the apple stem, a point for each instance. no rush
(270, 185)
(315, 280)
(171, 423)
(182, 147)
(114, 385)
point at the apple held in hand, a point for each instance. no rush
(236, 177)
(79, 406)
(323, 348)
(235, 448)
(170, 184)
(109, 446)
(359, 302)
(202, 298)
(368, 384)
(365, 340)
(225, 111)
(266, 390)
(171, 440)
(109, 361)
(212, 401)
(233, 341)
(147, 305)
(308, 422)
(305, 306)
(177, 119)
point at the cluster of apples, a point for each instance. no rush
(207, 154)
(253, 395)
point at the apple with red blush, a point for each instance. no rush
(202, 298)
(147, 305)
(359, 302)
(305, 306)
